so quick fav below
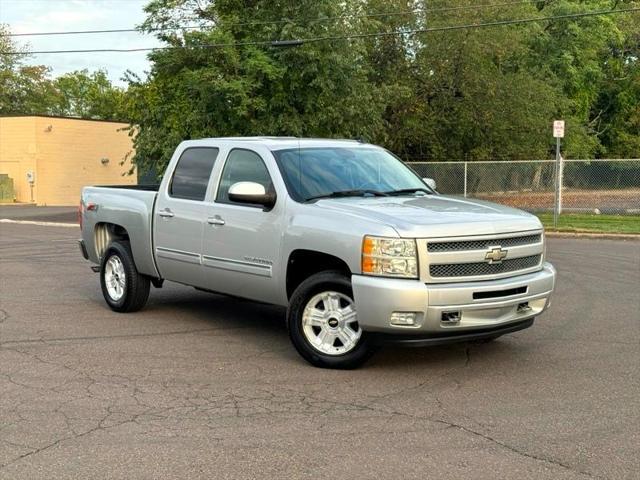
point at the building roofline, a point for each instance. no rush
(38, 115)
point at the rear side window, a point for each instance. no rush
(243, 166)
(191, 176)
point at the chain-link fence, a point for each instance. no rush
(595, 186)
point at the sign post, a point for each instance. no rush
(31, 179)
(558, 133)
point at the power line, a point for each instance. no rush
(279, 43)
(272, 22)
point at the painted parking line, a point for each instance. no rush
(43, 224)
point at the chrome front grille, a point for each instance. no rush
(483, 268)
(455, 246)
(480, 257)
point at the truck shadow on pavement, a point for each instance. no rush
(264, 326)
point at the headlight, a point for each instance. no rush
(390, 257)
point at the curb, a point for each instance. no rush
(598, 236)
(42, 224)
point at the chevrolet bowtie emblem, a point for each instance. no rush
(495, 255)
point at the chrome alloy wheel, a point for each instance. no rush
(115, 277)
(330, 323)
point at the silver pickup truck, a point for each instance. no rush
(359, 249)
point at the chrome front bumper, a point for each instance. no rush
(377, 298)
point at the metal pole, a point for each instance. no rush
(557, 185)
(561, 186)
(465, 179)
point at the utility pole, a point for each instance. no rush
(558, 133)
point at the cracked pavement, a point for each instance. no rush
(203, 386)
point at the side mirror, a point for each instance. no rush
(251, 192)
(431, 183)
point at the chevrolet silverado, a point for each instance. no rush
(360, 249)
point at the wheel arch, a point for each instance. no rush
(303, 263)
(105, 233)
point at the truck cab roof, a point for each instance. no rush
(279, 143)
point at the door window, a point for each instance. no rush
(191, 176)
(243, 166)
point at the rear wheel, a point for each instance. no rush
(323, 323)
(123, 288)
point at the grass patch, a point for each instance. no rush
(592, 223)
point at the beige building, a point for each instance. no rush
(49, 159)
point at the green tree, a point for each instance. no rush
(28, 89)
(88, 95)
(24, 89)
(463, 94)
(471, 94)
(615, 115)
(319, 89)
(595, 62)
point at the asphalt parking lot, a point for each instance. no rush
(34, 213)
(203, 386)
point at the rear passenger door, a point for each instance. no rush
(180, 216)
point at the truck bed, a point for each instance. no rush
(152, 187)
(128, 206)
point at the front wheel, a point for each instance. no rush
(323, 323)
(123, 288)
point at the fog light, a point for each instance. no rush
(523, 307)
(450, 317)
(406, 319)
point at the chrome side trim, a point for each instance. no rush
(178, 255)
(239, 266)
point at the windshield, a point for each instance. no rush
(319, 172)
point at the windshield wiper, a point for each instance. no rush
(409, 190)
(349, 193)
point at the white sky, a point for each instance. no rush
(25, 16)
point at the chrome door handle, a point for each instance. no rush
(165, 214)
(215, 221)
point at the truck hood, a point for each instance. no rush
(435, 215)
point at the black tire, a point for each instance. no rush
(315, 284)
(136, 286)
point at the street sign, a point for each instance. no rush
(558, 133)
(558, 129)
